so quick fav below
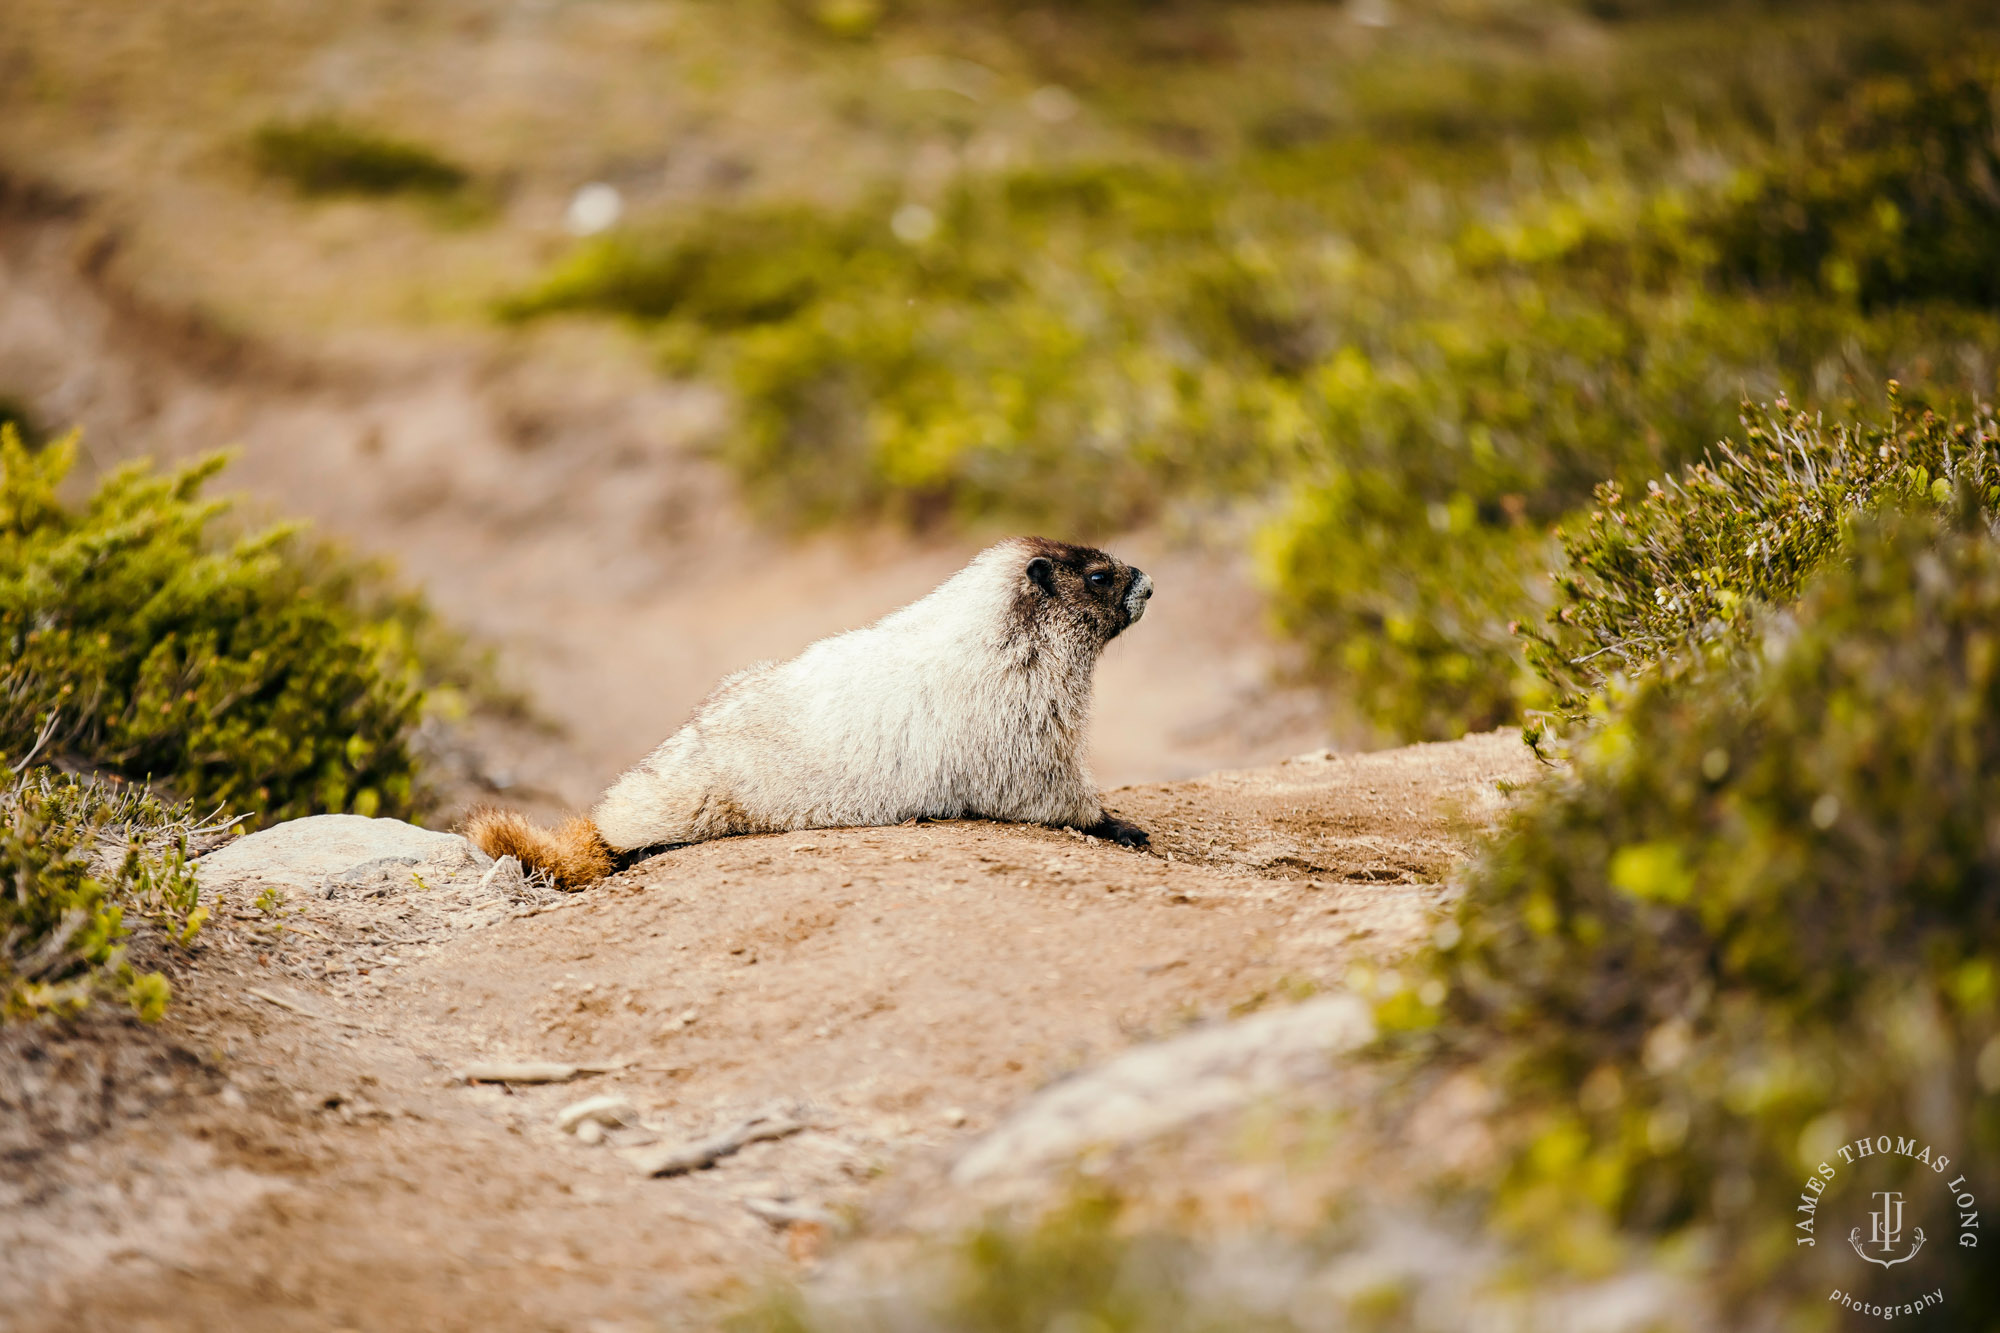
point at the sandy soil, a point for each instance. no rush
(293, 1148)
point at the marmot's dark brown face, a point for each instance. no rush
(1099, 593)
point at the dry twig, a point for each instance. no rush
(674, 1160)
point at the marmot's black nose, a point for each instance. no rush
(1141, 585)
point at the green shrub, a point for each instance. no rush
(1759, 917)
(1076, 1267)
(1694, 561)
(80, 863)
(1594, 328)
(990, 367)
(247, 675)
(1895, 198)
(724, 272)
(322, 155)
(1071, 1267)
(1421, 643)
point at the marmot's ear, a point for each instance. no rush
(1043, 573)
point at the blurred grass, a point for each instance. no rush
(1080, 1266)
(1415, 315)
(324, 155)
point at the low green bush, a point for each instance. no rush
(983, 365)
(1696, 560)
(723, 271)
(1895, 198)
(1075, 1267)
(250, 674)
(323, 155)
(1420, 642)
(1757, 918)
(1072, 1268)
(81, 864)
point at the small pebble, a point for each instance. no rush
(606, 1109)
(519, 1071)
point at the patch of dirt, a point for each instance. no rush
(899, 990)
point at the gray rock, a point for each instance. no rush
(378, 876)
(454, 857)
(1157, 1088)
(307, 853)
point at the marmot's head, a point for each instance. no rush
(1080, 586)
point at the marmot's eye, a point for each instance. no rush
(1100, 578)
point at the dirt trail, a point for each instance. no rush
(320, 1166)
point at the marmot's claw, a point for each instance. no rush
(1120, 832)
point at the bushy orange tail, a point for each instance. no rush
(572, 853)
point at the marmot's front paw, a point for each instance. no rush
(1120, 832)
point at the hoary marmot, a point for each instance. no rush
(971, 702)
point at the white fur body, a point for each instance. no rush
(954, 706)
